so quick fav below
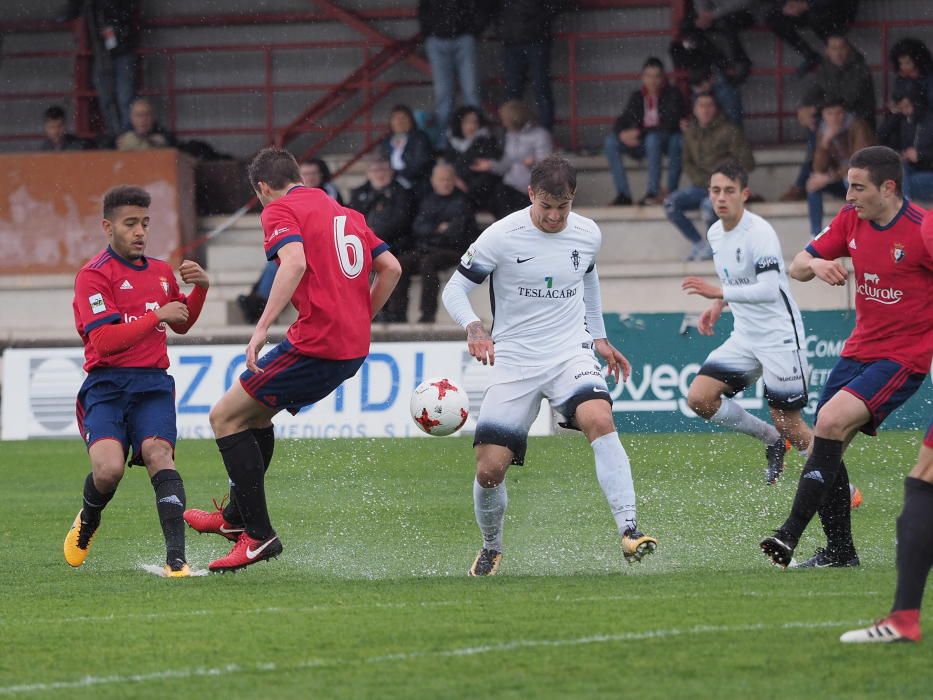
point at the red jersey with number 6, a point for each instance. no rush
(332, 298)
(893, 285)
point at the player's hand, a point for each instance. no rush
(912, 155)
(830, 271)
(708, 319)
(616, 362)
(696, 285)
(256, 343)
(192, 273)
(173, 313)
(480, 344)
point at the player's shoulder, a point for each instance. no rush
(583, 225)
(98, 262)
(759, 227)
(914, 214)
(515, 222)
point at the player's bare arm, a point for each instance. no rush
(387, 271)
(710, 316)
(480, 344)
(805, 267)
(618, 364)
(192, 273)
(290, 272)
(697, 285)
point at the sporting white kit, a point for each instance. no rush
(768, 335)
(546, 313)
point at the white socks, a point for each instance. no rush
(489, 506)
(731, 415)
(614, 473)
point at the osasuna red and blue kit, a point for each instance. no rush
(329, 341)
(887, 356)
(127, 395)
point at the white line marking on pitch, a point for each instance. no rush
(183, 673)
(431, 604)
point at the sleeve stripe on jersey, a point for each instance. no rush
(813, 251)
(475, 276)
(379, 250)
(101, 322)
(274, 250)
(591, 267)
(766, 265)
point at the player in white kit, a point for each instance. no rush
(768, 335)
(547, 323)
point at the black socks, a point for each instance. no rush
(94, 502)
(914, 544)
(265, 438)
(243, 459)
(170, 503)
(836, 517)
(819, 475)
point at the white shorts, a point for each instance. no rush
(512, 401)
(785, 372)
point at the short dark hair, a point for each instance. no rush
(321, 165)
(555, 176)
(916, 50)
(275, 166)
(882, 164)
(653, 62)
(54, 113)
(733, 170)
(456, 121)
(125, 196)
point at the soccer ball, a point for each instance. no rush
(439, 406)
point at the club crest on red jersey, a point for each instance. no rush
(164, 283)
(897, 252)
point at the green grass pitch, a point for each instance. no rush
(371, 600)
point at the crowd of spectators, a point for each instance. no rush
(435, 171)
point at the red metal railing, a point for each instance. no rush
(365, 84)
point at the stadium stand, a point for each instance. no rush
(371, 61)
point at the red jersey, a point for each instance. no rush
(111, 289)
(332, 298)
(893, 285)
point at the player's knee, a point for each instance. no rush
(832, 425)
(490, 475)
(218, 419)
(702, 403)
(158, 454)
(107, 476)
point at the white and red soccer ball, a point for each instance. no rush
(439, 406)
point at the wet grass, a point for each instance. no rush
(370, 598)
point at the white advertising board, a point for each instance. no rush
(40, 386)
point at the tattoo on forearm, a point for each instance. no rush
(475, 331)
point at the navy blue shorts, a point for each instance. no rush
(292, 380)
(882, 385)
(129, 405)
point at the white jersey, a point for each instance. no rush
(765, 314)
(536, 285)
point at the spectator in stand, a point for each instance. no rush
(839, 135)
(315, 174)
(114, 32)
(909, 131)
(843, 74)
(146, 132)
(913, 65)
(825, 17)
(57, 137)
(525, 27)
(444, 227)
(649, 127)
(707, 20)
(450, 29)
(708, 78)
(469, 140)
(525, 144)
(709, 139)
(409, 151)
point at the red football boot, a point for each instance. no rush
(212, 522)
(247, 551)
